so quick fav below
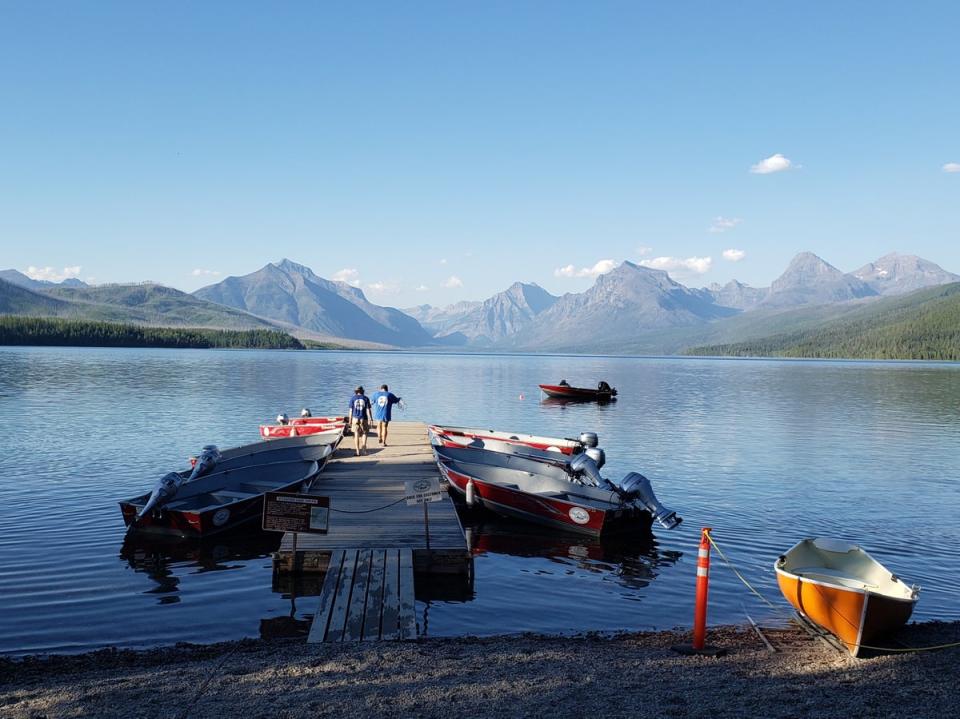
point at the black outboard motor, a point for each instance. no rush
(165, 490)
(635, 486)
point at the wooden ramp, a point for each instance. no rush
(368, 511)
(367, 595)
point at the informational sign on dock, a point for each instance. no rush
(290, 512)
(423, 490)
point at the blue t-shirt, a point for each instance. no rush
(359, 403)
(382, 402)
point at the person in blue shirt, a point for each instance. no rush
(383, 401)
(359, 409)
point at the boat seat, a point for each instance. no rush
(229, 494)
(832, 576)
(256, 487)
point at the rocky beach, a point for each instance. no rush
(515, 676)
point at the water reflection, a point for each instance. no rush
(633, 560)
(160, 558)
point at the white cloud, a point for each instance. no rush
(50, 274)
(600, 268)
(443, 261)
(205, 273)
(349, 275)
(422, 288)
(679, 266)
(734, 255)
(722, 224)
(643, 251)
(774, 163)
(952, 167)
(453, 281)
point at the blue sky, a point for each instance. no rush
(433, 152)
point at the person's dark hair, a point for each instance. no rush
(359, 390)
(384, 387)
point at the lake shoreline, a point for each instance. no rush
(508, 676)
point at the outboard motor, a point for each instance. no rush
(282, 418)
(597, 455)
(208, 459)
(165, 490)
(637, 487)
(587, 471)
(589, 439)
(304, 413)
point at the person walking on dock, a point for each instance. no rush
(360, 419)
(383, 401)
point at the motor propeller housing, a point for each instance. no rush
(638, 488)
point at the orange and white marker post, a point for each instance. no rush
(700, 610)
(703, 586)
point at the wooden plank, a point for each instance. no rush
(390, 626)
(408, 605)
(353, 628)
(338, 617)
(372, 482)
(371, 619)
(318, 629)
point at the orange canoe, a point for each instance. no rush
(841, 588)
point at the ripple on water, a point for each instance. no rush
(764, 452)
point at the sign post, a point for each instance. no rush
(295, 513)
(424, 491)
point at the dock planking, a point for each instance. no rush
(367, 510)
(376, 542)
(367, 595)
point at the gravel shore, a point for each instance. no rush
(524, 676)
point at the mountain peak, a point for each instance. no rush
(896, 274)
(810, 280)
(295, 267)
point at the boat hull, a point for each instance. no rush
(859, 602)
(463, 435)
(561, 514)
(278, 431)
(277, 466)
(577, 394)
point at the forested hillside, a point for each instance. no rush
(922, 325)
(73, 333)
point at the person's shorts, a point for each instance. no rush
(359, 426)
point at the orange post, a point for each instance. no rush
(703, 584)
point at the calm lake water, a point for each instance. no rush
(765, 452)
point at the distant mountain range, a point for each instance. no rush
(18, 278)
(144, 304)
(292, 294)
(632, 309)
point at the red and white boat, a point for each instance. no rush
(602, 393)
(225, 489)
(466, 435)
(277, 431)
(569, 496)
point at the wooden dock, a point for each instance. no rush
(367, 595)
(376, 543)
